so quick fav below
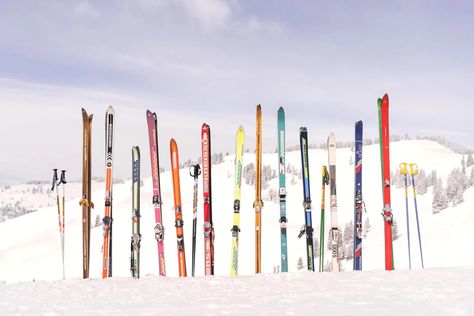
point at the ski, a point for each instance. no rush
(136, 236)
(107, 220)
(333, 202)
(324, 182)
(282, 188)
(385, 159)
(155, 178)
(85, 201)
(358, 200)
(61, 211)
(258, 204)
(239, 160)
(178, 207)
(207, 194)
(307, 228)
(194, 171)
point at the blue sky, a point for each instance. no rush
(195, 61)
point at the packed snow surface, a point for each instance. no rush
(438, 291)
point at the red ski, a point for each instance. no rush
(385, 159)
(206, 177)
(155, 177)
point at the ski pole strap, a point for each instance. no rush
(302, 231)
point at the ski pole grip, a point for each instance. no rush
(413, 169)
(403, 168)
(63, 177)
(55, 179)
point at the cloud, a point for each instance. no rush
(85, 9)
(210, 13)
(256, 25)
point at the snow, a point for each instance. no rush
(439, 291)
(30, 248)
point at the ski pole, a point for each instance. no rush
(194, 171)
(63, 182)
(404, 172)
(325, 181)
(413, 173)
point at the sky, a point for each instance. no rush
(213, 61)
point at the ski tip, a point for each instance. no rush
(332, 138)
(359, 124)
(110, 109)
(385, 99)
(303, 129)
(135, 152)
(281, 110)
(173, 143)
(205, 126)
(84, 112)
(240, 130)
(259, 108)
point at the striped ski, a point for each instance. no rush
(107, 220)
(358, 200)
(207, 194)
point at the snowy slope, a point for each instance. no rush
(30, 247)
(423, 292)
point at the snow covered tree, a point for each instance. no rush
(440, 202)
(300, 264)
(463, 164)
(316, 246)
(348, 240)
(470, 161)
(471, 180)
(249, 174)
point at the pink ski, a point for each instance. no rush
(155, 174)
